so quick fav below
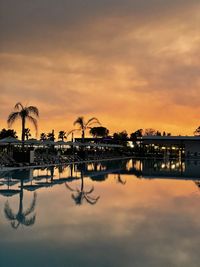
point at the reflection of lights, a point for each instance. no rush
(173, 166)
(163, 166)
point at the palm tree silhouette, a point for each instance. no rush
(24, 113)
(27, 133)
(43, 136)
(81, 194)
(62, 135)
(83, 126)
(21, 216)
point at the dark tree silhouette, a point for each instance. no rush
(99, 131)
(136, 134)
(51, 136)
(62, 135)
(121, 138)
(24, 113)
(7, 133)
(27, 132)
(43, 137)
(197, 131)
(150, 132)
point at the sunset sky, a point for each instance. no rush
(131, 63)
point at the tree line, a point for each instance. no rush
(31, 114)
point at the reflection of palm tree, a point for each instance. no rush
(24, 113)
(119, 179)
(81, 194)
(197, 184)
(83, 126)
(21, 216)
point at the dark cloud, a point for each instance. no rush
(92, 57)
(35, 25)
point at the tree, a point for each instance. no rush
(99, 131)
(123, 136)
(81, 194)
(158, 133)
(62, 135)
(24, 113)
(43, 137)
(83, 126)
(27, 133)
(150, 132)
(197, 131)
(7, 133)
(21, 217)
(136, 134)
(51, 136)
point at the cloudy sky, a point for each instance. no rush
(131, 63)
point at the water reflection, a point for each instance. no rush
(82, 194)
(144, 213)
(36, 179)
(21, 217)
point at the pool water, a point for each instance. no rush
(106, 214)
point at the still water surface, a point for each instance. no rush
(107, 214)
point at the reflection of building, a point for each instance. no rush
(171, 169)
(189, 145)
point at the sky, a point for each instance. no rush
(132, 64)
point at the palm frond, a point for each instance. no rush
(91, 201)
(8, 212)
(19, 106)
(90, 191)
(33, 110)
(30, 221)
(80, 122)
(12, 117)
(32, 206)
(67, 186)
(92, 198)
(92, 121)
(15, 224)
(33, 121)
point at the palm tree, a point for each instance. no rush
(21, 216)
(83, 126)
(62, 135)
(43, 137)
(81, 194)
(27, 133)
(24, 113)
(51, 136)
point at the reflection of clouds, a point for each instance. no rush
(133, 225)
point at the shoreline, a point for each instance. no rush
(60, 164)
(2, 169)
